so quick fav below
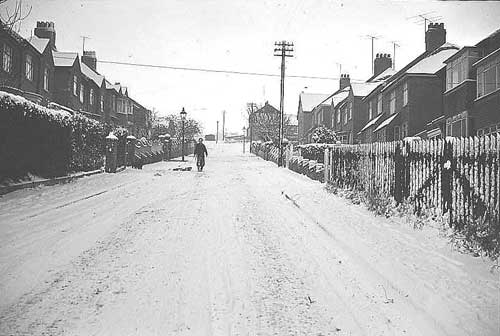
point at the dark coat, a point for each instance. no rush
(200, 149)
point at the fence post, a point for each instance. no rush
(326, 164)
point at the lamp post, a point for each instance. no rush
(244, 135)
(183, 118)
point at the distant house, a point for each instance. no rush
(27, 65)
(264, 124)
(307, 102)
(94, 88)
(69, 82)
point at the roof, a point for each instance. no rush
(339, 97)
(39, 43)
(363, 89)
(386, 122)
(311, 100)
(91, 74)
(487, 57)
(384, 75)
(64, 59)
(495, 33)
(371, 122)
(432, 63)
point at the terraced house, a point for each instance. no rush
(35, 69)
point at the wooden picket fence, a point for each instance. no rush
(458, 176)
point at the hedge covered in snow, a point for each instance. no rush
(46, 142)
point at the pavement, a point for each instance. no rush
(242, 248)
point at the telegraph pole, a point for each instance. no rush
(282, 49)
(223, 125)
(217, 134)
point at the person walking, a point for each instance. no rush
(200, 151)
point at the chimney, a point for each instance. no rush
(90, 59)
(435, 36)
(381, 63)
(46, 30)
(345, 81)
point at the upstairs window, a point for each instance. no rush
(91, 96)
(7, 58)
(405, 94)
(488, 77)
(82, 90)
(349, 110)
(29, 67)
(379, 104)
(345, 117)
(458, 70)
(102, 103)
(75, 86)
(370, 111)
(392, 102)
(46, 79)
(338, 117)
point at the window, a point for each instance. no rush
(338, 117)
(404, 130)
(29, 67)
(75, 86)
(457, 126)
(392, 102)
(370, 111)
(7, 58)
(46, 79)
(82, 90)
(91, 96)
(397, 133)
(102, 103)
(349, 110)
(405, 94)
(379, 104)
(490, 130)
(345, 117)
(488, 77)
(458, 70)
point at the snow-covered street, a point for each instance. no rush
(243, 248)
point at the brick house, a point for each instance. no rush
(307, 102)
(412, 99)
(94, 92)
(142, 120)
(69, 81)
(264, 124)
(27, 64)
(472, 97)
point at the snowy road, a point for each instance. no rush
(244, 248)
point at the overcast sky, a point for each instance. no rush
(239, 35)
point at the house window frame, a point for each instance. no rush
(28, 67)
(339, 117)
(489, 130)
(46, 79)
(345, 117)
(91, 97)
(462, 119)
(392, 102)
(370, 110)
(82, 93)
(7, 58)
(349, 110)
(75, 86)
(481, 81)
(397, 133)
(405, 94)
(379, 104)
(102, 102)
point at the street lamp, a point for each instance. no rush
(183, 118)
(244, 134)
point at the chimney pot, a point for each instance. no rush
(435, 36)
(381, 63)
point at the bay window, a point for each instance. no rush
(488, 77)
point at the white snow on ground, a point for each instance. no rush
(243, 248)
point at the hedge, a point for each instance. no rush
(46, 142)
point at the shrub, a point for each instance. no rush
(46, 142)
(323, 134)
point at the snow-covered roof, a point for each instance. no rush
(39, 43)
(91, 74)
(384, 75)
(371, 123)
(311, 100)
(434, 62)
(339, 97)
(386, 122)
(363, 89)
(64, 59)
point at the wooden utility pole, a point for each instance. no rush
(223, 125)
(217, 134)
(282, 49)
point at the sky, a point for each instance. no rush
(329, 36)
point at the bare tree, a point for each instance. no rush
(265, 124)
(12, 18)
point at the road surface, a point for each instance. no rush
(244, 248)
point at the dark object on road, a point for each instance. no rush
(199, 152)
(183, 168)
